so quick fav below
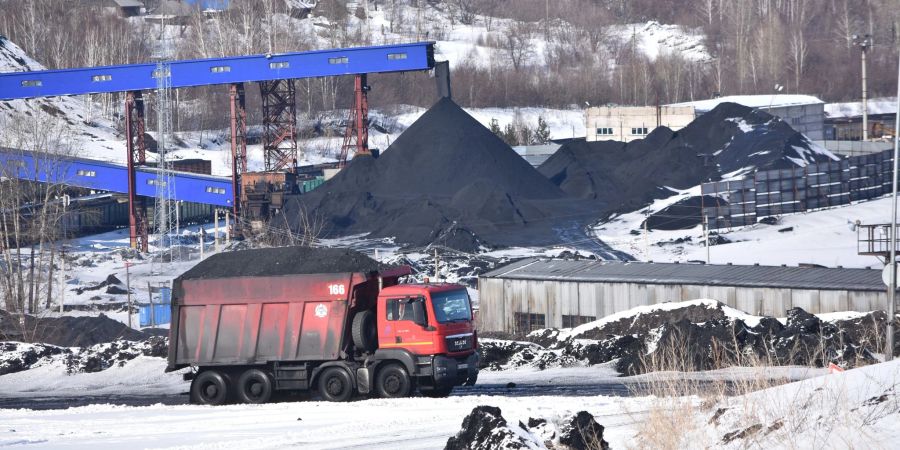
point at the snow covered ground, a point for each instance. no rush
(827, 237)
(863, 400)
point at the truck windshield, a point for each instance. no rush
(451, 306)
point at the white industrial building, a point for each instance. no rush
(627, 123)
(538, 293)
(804, 113)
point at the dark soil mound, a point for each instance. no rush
(731, 137)
(486, 429)
(699, 337)
(583, 433)
(68, 331)
(447, 179)
(18, 356)
(281, 261)
(682, 215)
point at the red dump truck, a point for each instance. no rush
(332, 321)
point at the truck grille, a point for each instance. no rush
(459, 343)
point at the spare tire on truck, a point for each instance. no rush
(365, 331)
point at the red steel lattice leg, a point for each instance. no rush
(238, 145)
(134, 137)
(356, 136)
(279, 124)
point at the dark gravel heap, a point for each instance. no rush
(486, 429)
(17, 356)
(281, 261)
(705, 338)
(583, 433)
(448, 180)
(67, 331)
(628, 176)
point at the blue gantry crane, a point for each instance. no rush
(273, 72)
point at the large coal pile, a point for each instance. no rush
(697, 336)
(728, 139)
(447, 179)
(66, 331)
(281, 261)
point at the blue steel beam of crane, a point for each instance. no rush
(105, 176)
(214, 71)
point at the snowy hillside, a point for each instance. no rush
(827, 237)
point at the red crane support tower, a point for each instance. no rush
(238, 145)
(357, 134)
(280, 124)
(137, 156)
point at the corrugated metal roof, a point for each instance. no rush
(129, 3)
(698, 274)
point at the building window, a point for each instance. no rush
(393, 56)
(279, 65)
(605, 131)
(220, 69)
(215, 190)
(101, 78)
(32, 83)
(86, 173)
(574, 321)
(795, 121)
(639, 131)
(155, 182)
(528, 322)
(339, 60)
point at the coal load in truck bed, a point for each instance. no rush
(447, 179)
(725, 140)
(281, 261)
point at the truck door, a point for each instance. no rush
(401, 329)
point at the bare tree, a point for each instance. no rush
(519, 45)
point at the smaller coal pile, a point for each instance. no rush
(684, 214)
(281, 261)
(65, 331)
(448, 180)
(728, 139)
(485, 428)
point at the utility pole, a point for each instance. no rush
(128, 288)
(216, 232)
(892, 288)
(864, 42)
(706, 235)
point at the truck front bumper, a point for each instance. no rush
(449, 371)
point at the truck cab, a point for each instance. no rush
(433, 325)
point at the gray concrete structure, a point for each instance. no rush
(538, 293)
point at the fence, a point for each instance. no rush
(783, 191)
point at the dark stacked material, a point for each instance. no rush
(446, 179)
(727, 139)
(281, 261)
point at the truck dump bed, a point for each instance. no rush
(281, 304)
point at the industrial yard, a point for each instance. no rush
(448, 224)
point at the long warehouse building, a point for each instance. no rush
(539, 293)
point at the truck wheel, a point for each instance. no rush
(254, 386)
(437, 392)
(393, 382)
(335, 385)
(209, 388)
(365, 331)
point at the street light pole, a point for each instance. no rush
(891, 300)
(864, 42)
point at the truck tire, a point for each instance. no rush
(393, 382)
(254, 386)
(365, 331)
(335, 384)
(209, 388)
